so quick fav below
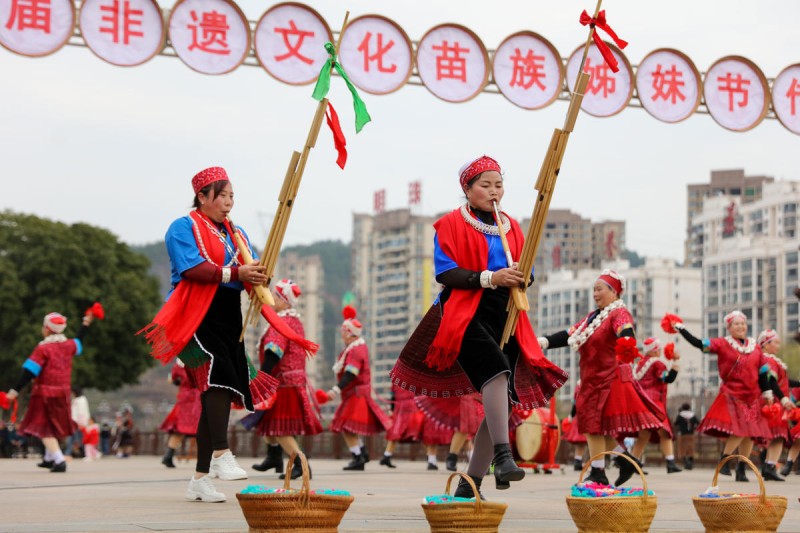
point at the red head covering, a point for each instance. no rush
(207, 177)
(483, 164)
(767, 336)
(351, 323)
(613, 280)
(288, 291)
(734, 314)
(55, 322)
(650, 344)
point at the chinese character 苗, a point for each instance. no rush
(667, 84)
(293, 50)
(734, 85)
(379, 53)
(528, 70)
(33, 14)
(450, 64)
(600, 79)
(214, 35)
(123, 20)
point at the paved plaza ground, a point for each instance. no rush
(139, 494)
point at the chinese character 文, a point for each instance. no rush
(214, 33)
(734, 85)
(601, 79)
(33, 14)
(667, 84)
(793, 93)
(379, 53)
(528, 70)
(124, 21)
(450, 64)
(293, 50)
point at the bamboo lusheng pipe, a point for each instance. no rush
(261, 291)
(545, 185)
(518, 297)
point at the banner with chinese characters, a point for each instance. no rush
(452, 62)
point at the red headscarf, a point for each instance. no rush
(483, 164)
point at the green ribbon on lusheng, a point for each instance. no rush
(324, 84)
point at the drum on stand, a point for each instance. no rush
(536, 440)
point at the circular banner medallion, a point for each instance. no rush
(452, 63)
(668, 85)
(35, 27)
(736, 93)
(210, 36)
(528, 70)
(290, 43)
(122, 32)
(608, 92)
(376, 54)
(786, 98)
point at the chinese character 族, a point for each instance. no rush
(528, 70)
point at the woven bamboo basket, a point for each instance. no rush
(298, 511)
(613, 513)
(464, 517)
(741, 514)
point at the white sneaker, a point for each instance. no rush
(203, 490)
(225, 467)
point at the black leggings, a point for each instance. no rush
(212, 429)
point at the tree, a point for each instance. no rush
(50, 266)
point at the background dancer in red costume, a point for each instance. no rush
(573, 435)
(653, 376)
(50, 368)
(455, 350)
(460, 416)
(611, 404)
(358, 414)
(406, 423)
(182, 420)
(735, 414)
(293, 412)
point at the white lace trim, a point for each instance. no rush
(584, 331)
(291, 311)
(777, 359)
(218, 235)
(746, 349)
(482, 226)
(50, 339)
(339, 364)
(639, 374)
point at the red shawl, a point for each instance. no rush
(174, 325)
(469, 249)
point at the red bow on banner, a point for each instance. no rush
(600, 22)
(339, 142)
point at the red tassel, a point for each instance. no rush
(339, 142)
(440, 359)
(669, 351)
(626, 350)
(666, 322)
(277, 322)
(321, 396)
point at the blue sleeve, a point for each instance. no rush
(78, 346)
(182, 248)
(32, 366)
(441, 261)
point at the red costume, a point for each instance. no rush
(572, 435)
(651, 374)
(737, 408)
(778, 427)
(358, 413)
(406, 418)
(184, 416)
(49, 413)
(794, 434)
(462, 413)
(293, 412)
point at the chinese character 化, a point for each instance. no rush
(379, 53)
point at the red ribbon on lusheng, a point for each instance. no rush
(600, 22)
(339, 141)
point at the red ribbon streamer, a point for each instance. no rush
(600, 22)
(339, 141)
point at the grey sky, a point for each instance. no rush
(82, 140)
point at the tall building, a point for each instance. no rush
(724, 183)
(657, 287)
(750, 262)
(393, 281)
(608, 241)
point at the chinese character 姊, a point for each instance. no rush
(600, 79)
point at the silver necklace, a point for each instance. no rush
(482, 226)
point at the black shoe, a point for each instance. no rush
(726, 468)
(688, 463)
(787, 468)
(577, 465)
(167, 461)
(365, 454)
(451, 463)
(769, 474)
(60, 467)
(598, 475)
(297, 470)
(386, 460)
(505, 468)
(672, 468)
(465, 491)
(740, 475)
(626, 469)
(357, 463)
(274, 460)
(432, 466)
(46, 464)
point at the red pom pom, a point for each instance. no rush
(772, 412)
(669, 351)
(96, 310)
(349, 312)
(5, 403)
(626, 350)
(666, 322)
(794, 414)
(566, 425)
(321, 396)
